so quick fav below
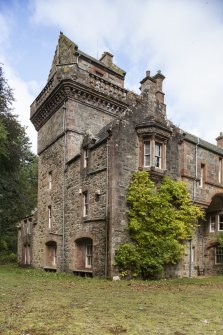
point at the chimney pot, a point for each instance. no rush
(147, 73)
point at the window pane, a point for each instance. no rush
(212, 223)
(146, 153)
(220, 222)
(88, 255)
(158, 151)
(219, 254)
(147, 148)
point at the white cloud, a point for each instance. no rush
(182, 38)
(24, 92)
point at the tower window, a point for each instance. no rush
(49, 217)
(85, 203)
(202, 176)
(86, 158)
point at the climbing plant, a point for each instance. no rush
(161, 219)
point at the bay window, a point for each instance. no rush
(154, 154)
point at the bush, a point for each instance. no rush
(8, 258)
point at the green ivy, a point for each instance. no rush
(161, 218)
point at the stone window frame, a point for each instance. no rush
(218, 254)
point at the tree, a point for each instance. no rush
(18, 170)
(161, 219)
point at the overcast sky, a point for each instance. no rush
(182, 38)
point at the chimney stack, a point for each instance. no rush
(219, 140)
(106, 58)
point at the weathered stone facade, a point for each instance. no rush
(92, 135)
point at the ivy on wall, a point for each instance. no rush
(161, 218)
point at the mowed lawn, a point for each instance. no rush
(38, 303)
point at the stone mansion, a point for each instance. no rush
(93, 134)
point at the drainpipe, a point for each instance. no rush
(194, 196)
(195, 178)
(106, 211)
(63, 188)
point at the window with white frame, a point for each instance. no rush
(158, 155)
(50, 180)
(219, 255)
(86, 158)
(154, 154)
(147, 153)
(49, 217)
(220, 170)
(85, 203)
(212, 223)
(220, 222)
(88, 259)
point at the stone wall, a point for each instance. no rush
(93, 180)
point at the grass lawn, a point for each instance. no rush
(38, 303)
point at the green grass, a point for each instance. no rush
(38, 303)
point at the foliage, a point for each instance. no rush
(18, 170)
(160, 220)
(219, 237)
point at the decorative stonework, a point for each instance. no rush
(67, 89)
(103, 86)
(154, 129)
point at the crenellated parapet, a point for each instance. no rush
(50, 100)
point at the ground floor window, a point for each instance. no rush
(88, 260)
(51, 254)
(83, 253)
(219, 255)
(27, 255)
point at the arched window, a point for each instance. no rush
(51, 254)
(84, 253)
